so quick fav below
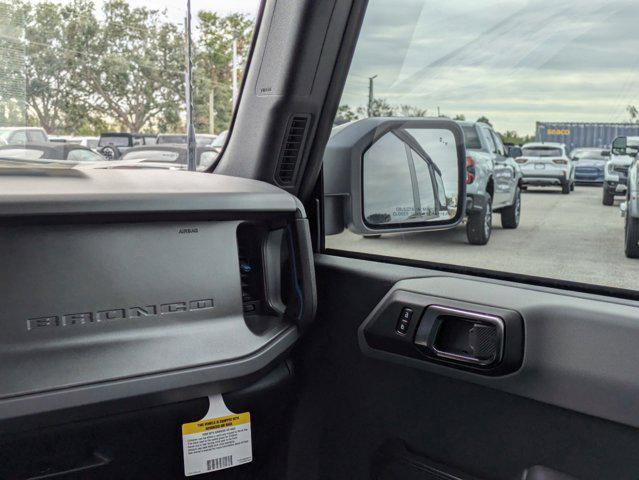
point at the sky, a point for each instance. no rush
(223, 7)
(514, 61)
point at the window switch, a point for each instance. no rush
(404, 321)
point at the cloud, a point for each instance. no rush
(515, 61)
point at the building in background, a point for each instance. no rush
(581, 134)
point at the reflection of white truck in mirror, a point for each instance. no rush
(394, 175)
(616, 172)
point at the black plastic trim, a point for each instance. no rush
(492, 274)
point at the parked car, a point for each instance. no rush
(493, 182)
(48, 152)
(202, 139)
(590, 164)
(165, 156)
(630, 210)
(616, 171)
(547, 164)
(20, 135)
(219, 141)
(91, 142)
(113, 145)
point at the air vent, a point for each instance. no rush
(292, 149)
(250, 263)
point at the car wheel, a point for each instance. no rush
(565, 188)
(510, 215)
(632, 237)
(110, 153)
(608, 198)
(480, 225)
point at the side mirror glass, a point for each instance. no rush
(394, 175)
(515, 152)
(619, 146)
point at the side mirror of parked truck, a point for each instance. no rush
(390, 175)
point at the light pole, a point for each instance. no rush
(370, 94)
(190, 128)
(234, 69)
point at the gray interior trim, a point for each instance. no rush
(49, 191)
(204, 377)
(580, 350)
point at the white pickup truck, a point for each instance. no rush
(616, 171)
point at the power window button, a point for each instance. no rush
(404, 321)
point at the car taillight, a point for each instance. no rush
(560, 161)
(470, 170)
(521, 160)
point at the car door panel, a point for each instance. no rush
(555, 411)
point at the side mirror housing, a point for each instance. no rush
(515, 152)
(390, 175)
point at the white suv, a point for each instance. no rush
(616, 170)
(546, 164)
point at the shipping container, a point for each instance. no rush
(579, 135)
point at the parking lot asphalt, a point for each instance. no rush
(570, 237)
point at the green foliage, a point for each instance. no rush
(485, 120)
(213, 65)
(511, 136)
(380, 108)
(460, 117)
(345, 114)
(75, 70)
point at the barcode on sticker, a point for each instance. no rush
(218, 463)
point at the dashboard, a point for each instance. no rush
(124, 283)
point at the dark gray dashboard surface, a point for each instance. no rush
(51, 191)
(95, 311)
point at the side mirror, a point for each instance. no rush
(619, 145)
(389, 175)
(515, 152)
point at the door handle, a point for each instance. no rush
(461, 336)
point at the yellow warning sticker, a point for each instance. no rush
(222, 439)
(215, 423)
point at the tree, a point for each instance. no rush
(634, 113)
(411, 111)
(460, 117)
(48, 62)
(485, 120)
(345, 114)
(134, 69)
(511, 136)
(212, 66)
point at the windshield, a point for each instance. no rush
(5, 133)
(152, 155)
(471, 137)
(114, 141)
(542, 152)
(81, 69)
(171, 139)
